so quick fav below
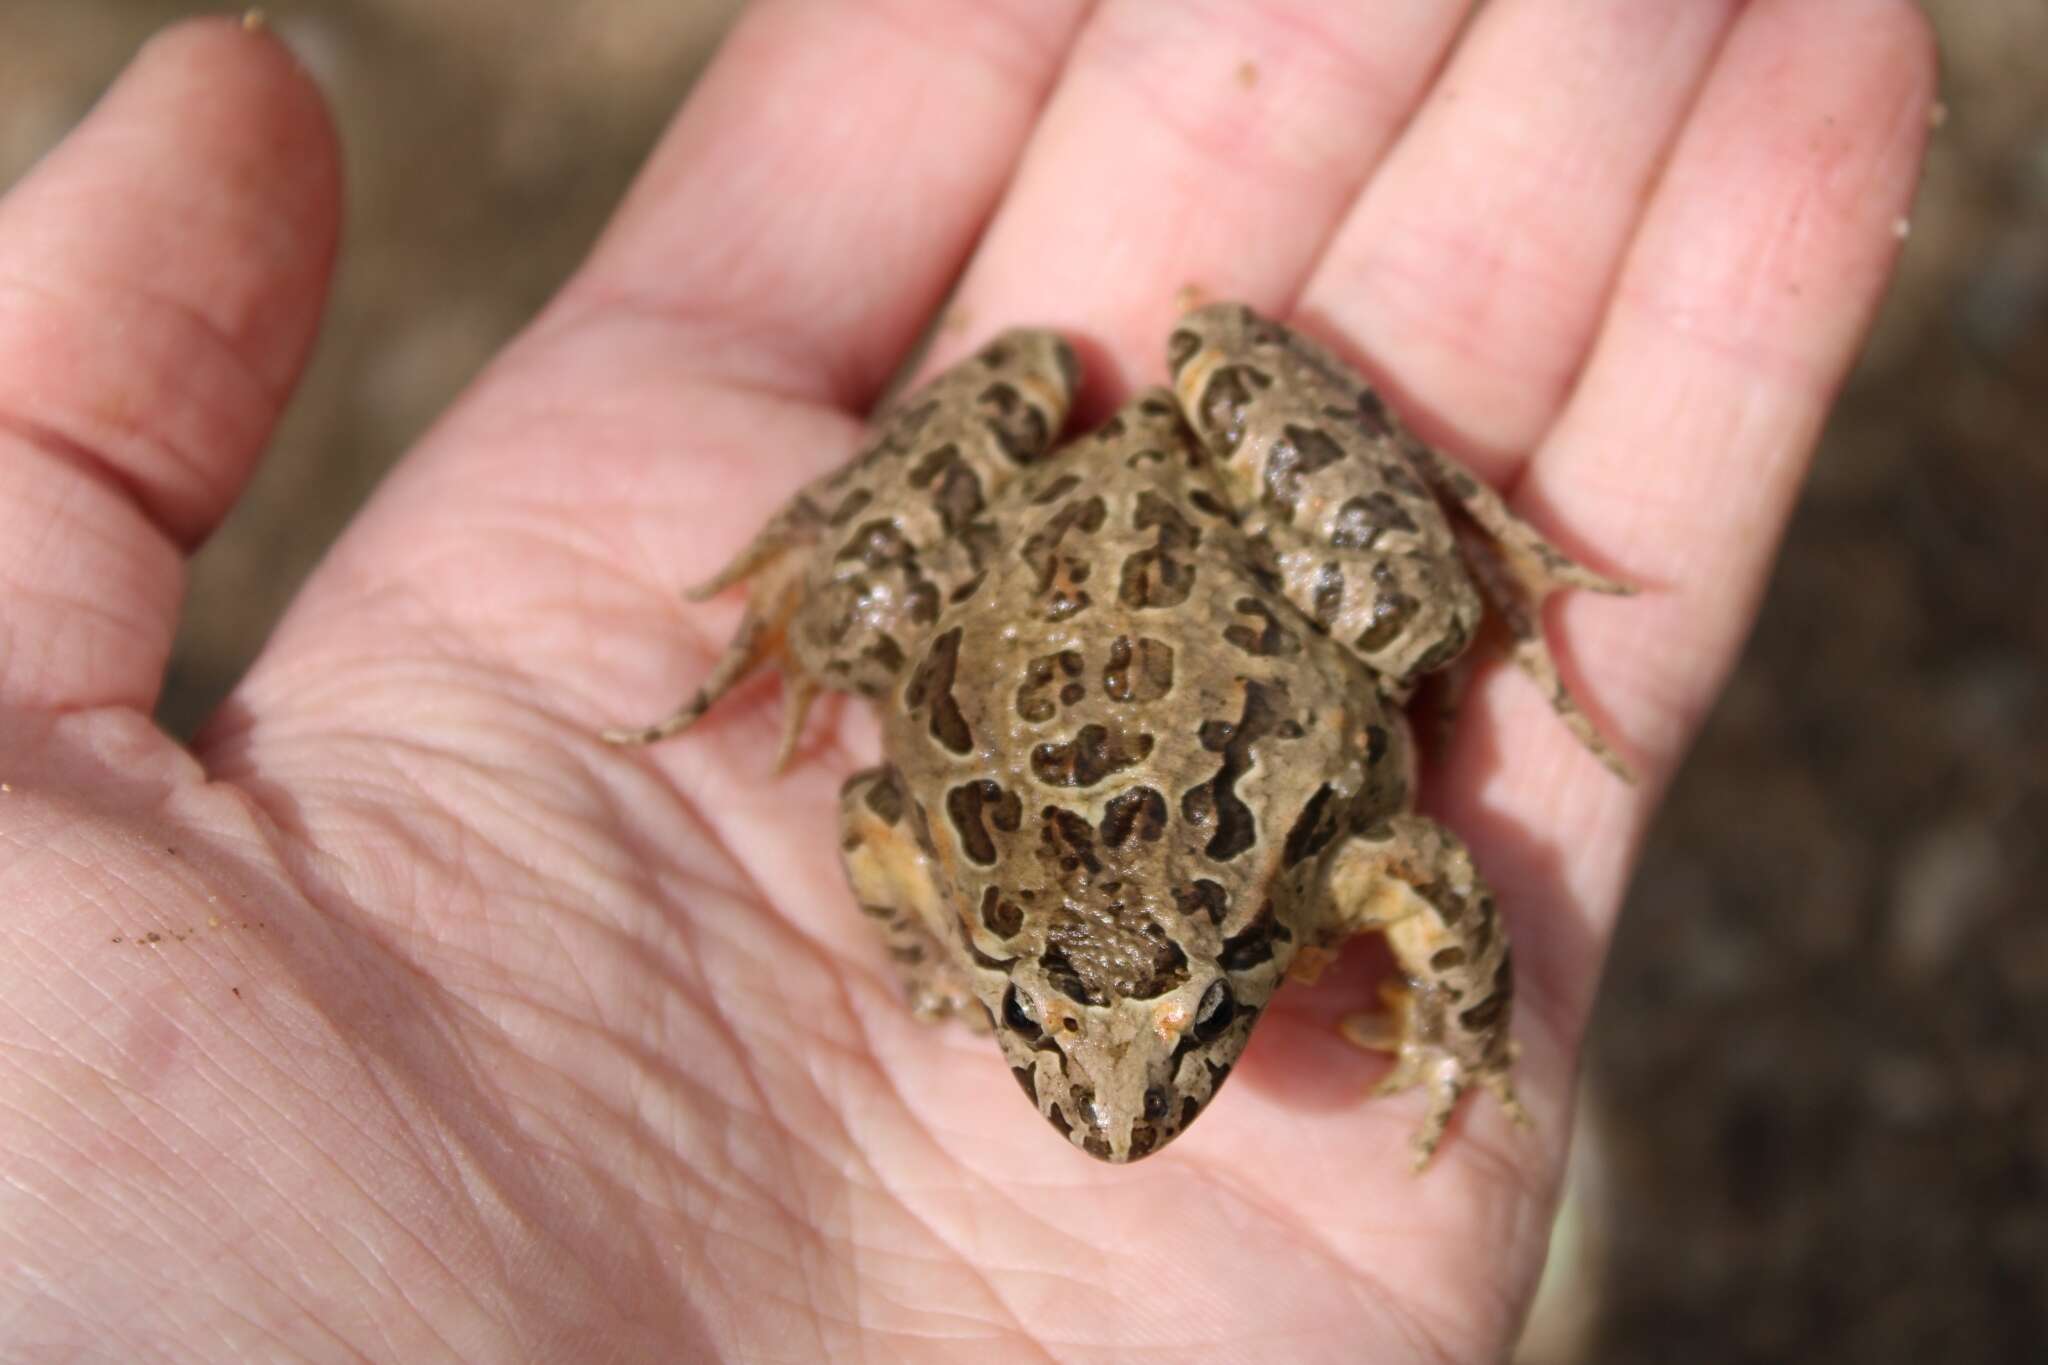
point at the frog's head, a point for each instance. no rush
(1120, 1074)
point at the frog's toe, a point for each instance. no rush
(1435, 1069)
(937, 994)
(1444, 1088)
(1444, 1079)
(1532, 655)
(1503, 1090)
(760, 642)
(1561, 572)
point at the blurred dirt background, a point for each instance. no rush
(1816, 1126)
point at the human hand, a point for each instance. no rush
(462, 1034)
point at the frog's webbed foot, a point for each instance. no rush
(1517, 569)
(1432, 1066)
(1447, 1024)
(776, 568)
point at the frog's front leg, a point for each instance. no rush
(896, 882)
(848, 574)
(1447, 1024)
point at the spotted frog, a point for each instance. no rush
(1141, 698)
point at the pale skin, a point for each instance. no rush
(468, 1036)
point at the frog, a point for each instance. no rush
(1144, 695)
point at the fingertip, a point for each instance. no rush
(166, 264)
(252, 119)
(1919, 49)
(249, 65)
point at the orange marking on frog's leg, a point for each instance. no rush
(895, 880)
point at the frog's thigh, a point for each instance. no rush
(897, 887)
(1413, 880)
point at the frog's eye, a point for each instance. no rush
(1214, 1014)
(1018, 1015)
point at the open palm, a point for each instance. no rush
(401, 1016)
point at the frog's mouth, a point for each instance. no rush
(1070, 1097)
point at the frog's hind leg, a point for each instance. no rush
(775, 563)
(1517, 570)
(1447, 1023)
(895, 880)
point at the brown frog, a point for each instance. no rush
(1141, 702)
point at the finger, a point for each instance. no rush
(1739, 311)
(161, 274)
(816, 197)
(1217, 151)
(1476, 265)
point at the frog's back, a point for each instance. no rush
(1142, 746)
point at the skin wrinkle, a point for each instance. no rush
(915, 1318)
(1367, 1285)
(715, 1015)
(535, 528)
(985, 1279)
(724, 824)
(876, 1182)
(533, 851)
(825, 1292)
(912, 1314)
(1471, 333)
(990, 1280)
(1495, 1172)
(60, 527)
(987, 1188)
(488, 1241)
(228, 361)
(167, 462)
(1030, 79)
(363, 1136)
(1687, 321)
(59, 523)
(634, 1120)
(147, 1203)
(714, 357)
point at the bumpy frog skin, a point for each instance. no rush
(1140, 699)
